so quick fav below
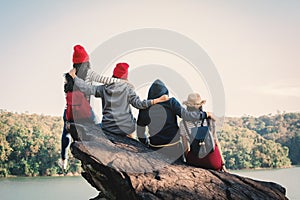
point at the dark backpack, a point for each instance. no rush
(78, 108)
(202, 142)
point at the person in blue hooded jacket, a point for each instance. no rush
(161, 120)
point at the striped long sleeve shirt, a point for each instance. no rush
(94, 76)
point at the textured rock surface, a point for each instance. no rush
(122, 168)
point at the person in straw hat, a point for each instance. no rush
(213, 160)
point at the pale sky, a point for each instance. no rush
(253, 44)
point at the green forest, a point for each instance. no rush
(30, 143)
(265, 141)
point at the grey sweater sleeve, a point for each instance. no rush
(135, 100)
(97, 91)
(186, 115)
(192, 116)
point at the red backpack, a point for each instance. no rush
(78, 107)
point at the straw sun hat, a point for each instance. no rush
(194, 100)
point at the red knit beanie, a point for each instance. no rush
(80, 55)
(121, 70)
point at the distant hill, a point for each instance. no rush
(283, 128)
(30, 143)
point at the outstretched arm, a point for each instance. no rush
(186, 115)
(94, 76)
(85, 88)
(136, 102)
(192, 116)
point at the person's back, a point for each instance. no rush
(213, 160)
(77, 108)
(117, 114)
(116, 100)
(77, 105)
(161, 121)
(163, 126)
(82, 65)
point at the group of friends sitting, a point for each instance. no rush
(157, 124)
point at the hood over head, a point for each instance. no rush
(157, 89)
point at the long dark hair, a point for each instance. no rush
(69, 85)
(81, 69)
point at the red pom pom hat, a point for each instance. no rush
(121, 71)
(80, 55)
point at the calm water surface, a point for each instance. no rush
(76, 188)
(288, 178)
(46, 188)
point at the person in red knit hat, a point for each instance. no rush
(121, 71)
(116, 100)
(81, 62)
(80, 55)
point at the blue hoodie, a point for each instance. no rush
(161, 118)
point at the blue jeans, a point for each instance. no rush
(65, 139)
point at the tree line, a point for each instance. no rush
(282, 128)
(30, 143)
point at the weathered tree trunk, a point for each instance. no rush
(122, 168)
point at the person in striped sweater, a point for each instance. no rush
(213, 160)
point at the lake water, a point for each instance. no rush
(76, 188)
(46, 188)
(288, 178)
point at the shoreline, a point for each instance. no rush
(54, 175)
(78, 174)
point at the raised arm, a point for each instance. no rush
(94, 76)
(186, 115)
(192, 116)
(97, 91)
(136, 102)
